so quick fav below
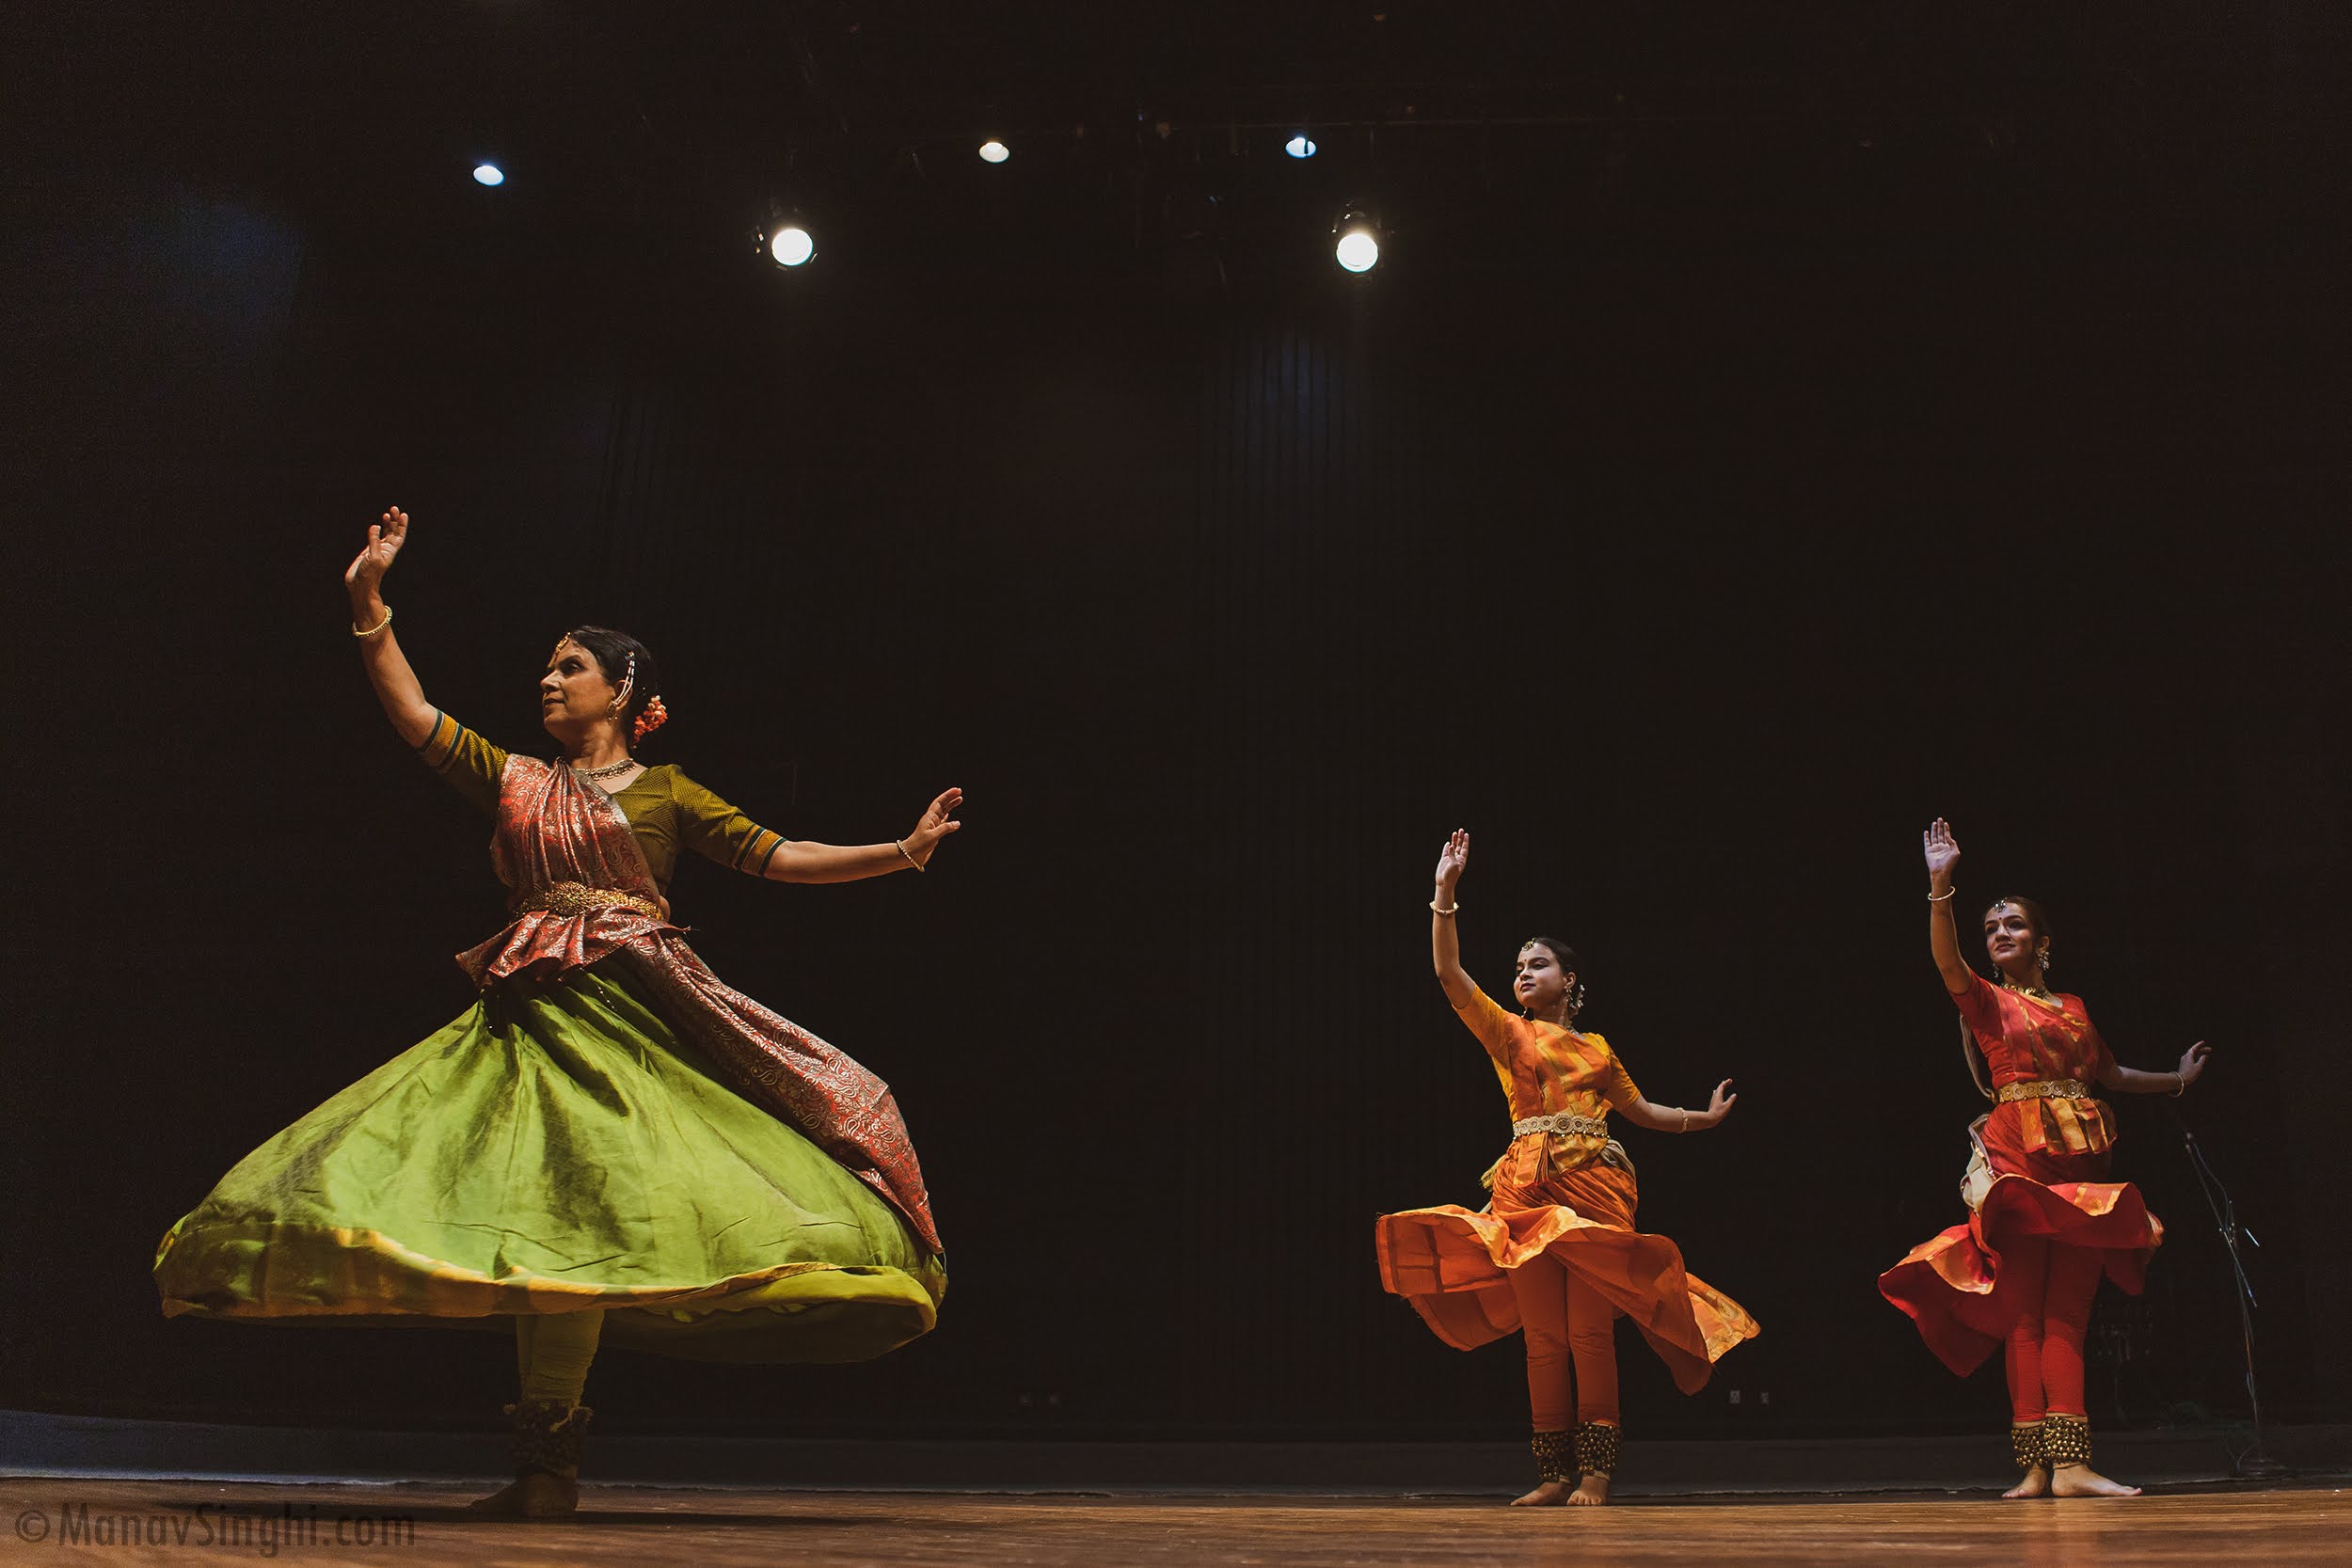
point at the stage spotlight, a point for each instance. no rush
(1355, 241)
(488, 174)
(1300, 146)
(791, 246)
(995, 151)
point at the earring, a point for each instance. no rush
(2043, 958)
(628, 684)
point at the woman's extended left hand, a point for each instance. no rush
(937, 823)
(1720, 1106)
(2193, 1062)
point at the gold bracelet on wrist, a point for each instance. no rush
(1940, 897)
(378, 626)
(902, 850)
(1449, 909)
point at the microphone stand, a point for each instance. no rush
(2254, 1464)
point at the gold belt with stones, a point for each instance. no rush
(1561, 1123)
(581, 898)
(2046, 1088)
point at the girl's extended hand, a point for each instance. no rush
(937, 823)
(1941, 851)
(365, 574)
(2193, 1063)
(1719, 1106)
(1453, 859)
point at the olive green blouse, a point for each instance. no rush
(664, 808)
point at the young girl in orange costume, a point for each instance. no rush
(1556, 1254)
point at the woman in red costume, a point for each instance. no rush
(2044, 1221)
(1555, 1252)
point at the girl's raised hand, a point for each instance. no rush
(1941, 851)
(1453, 859)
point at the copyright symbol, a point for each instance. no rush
(32, 1525)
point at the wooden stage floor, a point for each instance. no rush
(64, 1520)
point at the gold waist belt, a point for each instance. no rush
(580, 898)
(1561, 1122)
(2046, 1088)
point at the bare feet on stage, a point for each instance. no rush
(2081, 1480)
(2036, 1485)
(1556, 1494)
(531, 1496)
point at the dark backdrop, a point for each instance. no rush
(1694, 569)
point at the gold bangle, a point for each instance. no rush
(1686, 1118)
(1449, 909)
(1940, 897)
(902, 850)
(2179, 1084)
(378, 626)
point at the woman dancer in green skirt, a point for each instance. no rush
(610, 1143)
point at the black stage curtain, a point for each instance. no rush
(1696, 587)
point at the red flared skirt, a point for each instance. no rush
(1453, 1265)
(1951, 1284)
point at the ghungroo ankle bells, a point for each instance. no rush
(1554, 1455)
(1596, 1448)
(2025, 1445)
(546, 1436)
(2066, 1439)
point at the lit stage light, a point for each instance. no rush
(488, 174)
(1300, 146)
(995, 151)
(791, 246)
(1355, 241)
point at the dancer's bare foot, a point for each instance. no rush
(2081, 1480)
(1551, 1493)
(1591, 1492)
(2036, 1485)
(536, 1495)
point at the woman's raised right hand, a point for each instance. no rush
(1453, 859)
(365, 574)
(1941, 851)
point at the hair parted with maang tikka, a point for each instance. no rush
(1565, 957)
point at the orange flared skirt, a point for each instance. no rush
(1951, 1284)
(1453, 1264)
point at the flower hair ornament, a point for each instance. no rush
(651, 719)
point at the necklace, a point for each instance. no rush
(606, 771)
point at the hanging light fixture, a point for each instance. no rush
(1356, 240)
(787, 238)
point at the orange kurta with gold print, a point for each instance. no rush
(2027, 1039)
(1548, 1071)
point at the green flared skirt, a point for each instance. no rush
(558, 1148)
